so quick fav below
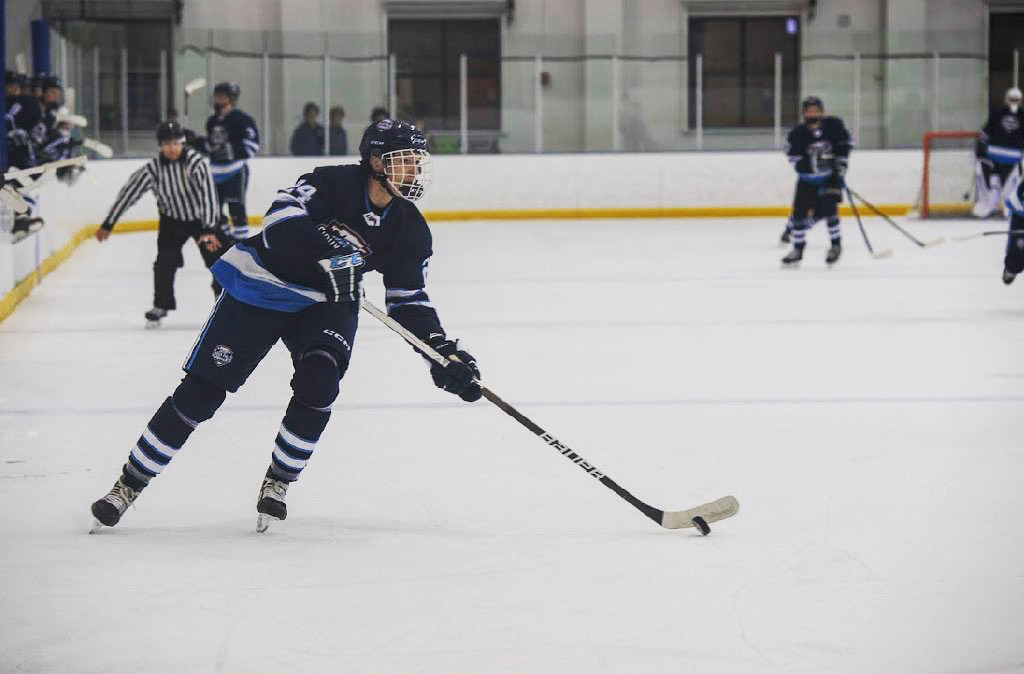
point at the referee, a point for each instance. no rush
(187, 201)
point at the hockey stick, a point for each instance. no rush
(880, 254)
(922, 244)
(63, 116)
(60, 163)
(10, 196)
(995, 232)
(101, 149)
(698, 517)
(191, 87)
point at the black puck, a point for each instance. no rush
(701, 525)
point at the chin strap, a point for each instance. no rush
(382, 178)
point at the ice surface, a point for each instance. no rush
(868, 418)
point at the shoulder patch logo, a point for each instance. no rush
(372, 219)
(222, 355)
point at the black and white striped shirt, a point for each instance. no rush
(184, 189)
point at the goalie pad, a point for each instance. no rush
(988, 191)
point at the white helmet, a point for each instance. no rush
(1013, 97)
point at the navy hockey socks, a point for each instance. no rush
(193, 402)
(833, 228)
(296, 439)
(315, 387)
(800, 232)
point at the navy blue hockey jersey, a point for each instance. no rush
(1003, 135)
(230, 139)
(326, 213)
(25, 129)
(815, 152)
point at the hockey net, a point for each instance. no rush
(947, 174)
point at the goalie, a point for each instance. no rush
(999, 150)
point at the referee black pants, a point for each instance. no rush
(172, 236)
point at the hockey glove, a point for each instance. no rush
(18, 138)
(456, 377)
(842, 163)
(344, 278)
(980, 149)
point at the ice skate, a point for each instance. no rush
(108, 510)
(794, 257)
(154, 316)
(271, 505)
(23, 226)
(786, 237)
(1008, 276)
(833, 254)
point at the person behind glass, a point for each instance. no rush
(339, 137)
(308, 137)
(186, 199)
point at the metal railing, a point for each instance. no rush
(546, 103)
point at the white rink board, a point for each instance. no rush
(867, 418)
(498, 182)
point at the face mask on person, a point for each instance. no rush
(812, 120)
(218, 108)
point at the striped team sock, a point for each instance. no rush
(296, 439)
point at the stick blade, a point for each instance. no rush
(935, 242)
(195, 85)
(882, 254)
(101, 149)
(727, 506)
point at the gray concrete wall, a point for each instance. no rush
(898, 97)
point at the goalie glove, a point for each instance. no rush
(456, 377)
(344, 278)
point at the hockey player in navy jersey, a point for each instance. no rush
(999, 150)
(25, 129)
(819, 150)
(298, 281)
(231, 139)
(1013, 263)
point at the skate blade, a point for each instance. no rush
(152, 325)
(96, 526)
(263, 522)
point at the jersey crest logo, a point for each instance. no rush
(1010, 123)
(218, 135)
(343, 231)
(222, 355)
(372, 219)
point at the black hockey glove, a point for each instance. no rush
(980, 149)
(456, 377)
(344, 278)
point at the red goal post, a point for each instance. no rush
(947, 174)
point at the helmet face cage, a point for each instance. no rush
(410, 171)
